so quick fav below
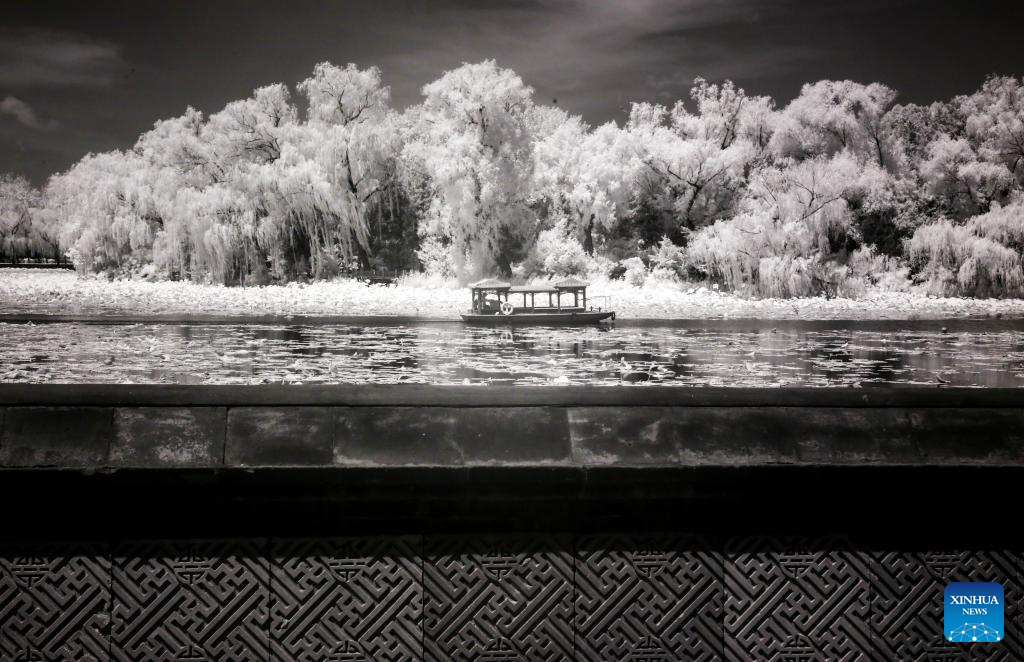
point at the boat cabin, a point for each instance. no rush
(493, 296)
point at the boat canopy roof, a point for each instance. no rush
(571, 284)
(531, 289)
(558, 286)
(490, 284)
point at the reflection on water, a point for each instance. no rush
(454, 354)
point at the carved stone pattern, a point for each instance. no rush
(190, 601)
(498, 599)
(54, 603)
(643, 598)
(796, 599)
(650, 597)
(906, 610)
(346, 599)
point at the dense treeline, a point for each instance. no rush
(840, 189)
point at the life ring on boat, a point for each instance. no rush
(506, 308)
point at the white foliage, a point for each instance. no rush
(557, 252)
(995, 122)
(829, 117)
(473, 140)
(588, 175)
(967, 259)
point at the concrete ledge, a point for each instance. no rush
(168, 436)
(429, 395)
(56, 436)
(114, 427)
(193, 461)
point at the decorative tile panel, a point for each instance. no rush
(805, 600)
(346, 599)
(190, 601)
(630, 597)
(498, 599)
(907, 602)
(54, 602)
(647, 597)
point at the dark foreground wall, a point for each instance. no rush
(379, 523)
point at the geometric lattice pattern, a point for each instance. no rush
(794, 598)
(650, 597)
(190, 601)
(54, 602)
(498, 599)
(908, 600)
(528, 597)
(358, 599)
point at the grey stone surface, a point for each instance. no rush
(168, 436)
(451, 436)
(423, 395)
(56, 436)
(840, 435)
(381, 436)
(969, 436)
(681, 435)
(515, 435)
(149, 430)
(279, 436)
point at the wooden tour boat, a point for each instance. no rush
(496, 302)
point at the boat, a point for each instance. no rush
(497, 302)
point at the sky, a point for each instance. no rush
(81, 77)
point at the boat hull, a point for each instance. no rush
(539, 319)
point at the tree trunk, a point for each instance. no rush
(362, 255)
(504, 265)
(588, 236)
(687, 221)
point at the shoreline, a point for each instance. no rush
(37, 295)
(734, 324)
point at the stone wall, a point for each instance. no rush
(379, 523)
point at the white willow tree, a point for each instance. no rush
(177, 161)
(472, 140)
(589, 177)
(19, 200)
(795, 221)
(179, 150)
(220, 226)
(479, 177)
(697, 164)
(350, 144)
(984, 257)
(969, 185)
(995, 122)
(832, 116)
(725, 114)
(105, 205)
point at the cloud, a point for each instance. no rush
(47, 58)
(594, 56)
(24, 114)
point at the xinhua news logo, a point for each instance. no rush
(974, 612)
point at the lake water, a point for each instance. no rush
(745, 354)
